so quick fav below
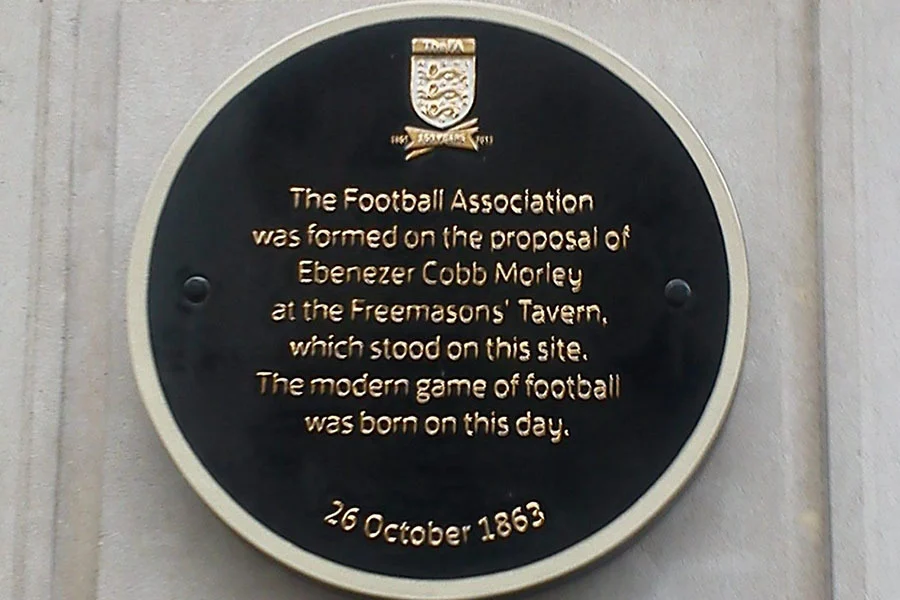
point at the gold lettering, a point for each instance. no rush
(565, 314)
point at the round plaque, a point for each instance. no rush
(437, 301)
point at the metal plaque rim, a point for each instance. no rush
(635, 518)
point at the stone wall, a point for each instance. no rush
(797, 100)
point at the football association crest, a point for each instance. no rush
(442, 92)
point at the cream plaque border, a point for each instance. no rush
(601, 543)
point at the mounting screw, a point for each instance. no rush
(196, 289)
(678, 292)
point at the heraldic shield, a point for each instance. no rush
(442, 79)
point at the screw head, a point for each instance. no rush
(196, 289)
(678, 292)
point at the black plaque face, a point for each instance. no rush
(427, 304)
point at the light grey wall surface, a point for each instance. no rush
(797, 101)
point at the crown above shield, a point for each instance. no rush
(442, 79)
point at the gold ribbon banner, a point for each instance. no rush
(423, 141)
